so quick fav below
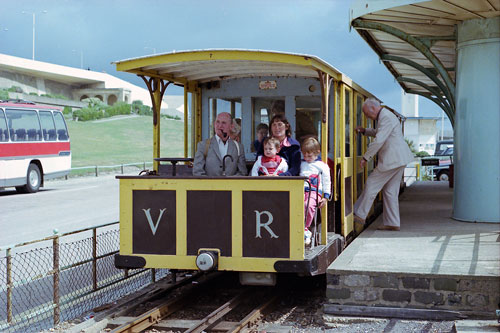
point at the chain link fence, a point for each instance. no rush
(63, 277)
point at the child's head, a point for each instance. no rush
(262, 130)
(310, 149)
(271, 147)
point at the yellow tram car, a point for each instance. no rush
(253, 225)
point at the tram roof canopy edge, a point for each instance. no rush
(214, 64)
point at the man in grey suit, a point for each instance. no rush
(393, 155)
(220, 155)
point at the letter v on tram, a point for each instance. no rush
(34, 145)
(253, 225)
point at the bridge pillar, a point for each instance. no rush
(477, 122)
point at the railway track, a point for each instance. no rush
(211, 303)
(216, 302)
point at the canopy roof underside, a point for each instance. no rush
(433, 22)
(210, 65)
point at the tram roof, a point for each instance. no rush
(434, 22)
(216, 64)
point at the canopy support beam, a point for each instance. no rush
(439, 100)
(156, 88)
(421, 45)
(442, 88)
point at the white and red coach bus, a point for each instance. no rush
(34, 145)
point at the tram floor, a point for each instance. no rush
(433, 262)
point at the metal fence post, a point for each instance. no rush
(57, 309)
(94, 258)
(9, 286)
(122, 168)
(144, 166)
(153, 275)
(96, 172)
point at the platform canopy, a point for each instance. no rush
(417, 40)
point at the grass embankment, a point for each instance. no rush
(118, 141)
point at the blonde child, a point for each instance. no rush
(317, 190)
(270, 164)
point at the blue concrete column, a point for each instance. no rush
(477, 122)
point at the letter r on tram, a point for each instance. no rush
(259, 225)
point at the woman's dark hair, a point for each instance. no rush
(280, 117)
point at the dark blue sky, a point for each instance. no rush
(111, 30)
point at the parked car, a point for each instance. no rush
(444, 151)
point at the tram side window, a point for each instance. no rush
(264, 109)
(4, 133)
(261, 115)
(307, 118)
(24, 125)
(337, 116)
(219, 105)
(347, 124)
(48, 126)
(359, 122)
(62, 131)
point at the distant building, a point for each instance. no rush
(422, 131)
(37, 78)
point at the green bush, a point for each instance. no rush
(15, 89)
(422, 154)
(98, 110)
(4, 95)
(87, 114)
(33, 94)
(118, 109)
(172, 117)
(411, 146)
(67, 110)
(139, 108)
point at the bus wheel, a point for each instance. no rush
(33, 181)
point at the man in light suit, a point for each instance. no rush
(393, 156)
(220, 155)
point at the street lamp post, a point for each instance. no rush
(81, 57)
(44, 12)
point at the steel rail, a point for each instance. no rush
(213, 318)
(256, 314)
(165, 309)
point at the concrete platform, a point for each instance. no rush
(434, 262)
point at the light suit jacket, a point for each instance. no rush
(389, 143)
(212, 164)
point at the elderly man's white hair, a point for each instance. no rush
(372, 102)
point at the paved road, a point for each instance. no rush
(65, 205)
